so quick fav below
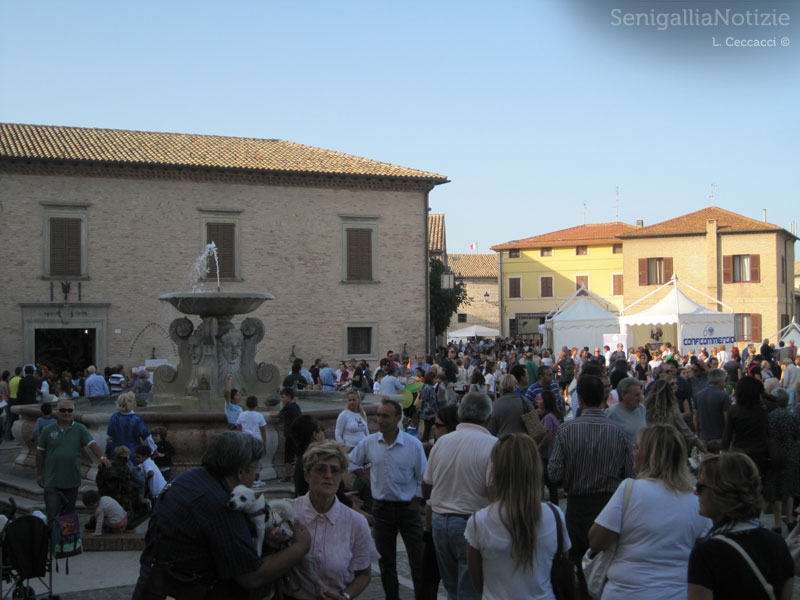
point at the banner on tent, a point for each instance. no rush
(699, 334)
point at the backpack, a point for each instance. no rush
(66, 537)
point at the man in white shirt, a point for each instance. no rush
(457, 482)
(397, 466)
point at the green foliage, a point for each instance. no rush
(443, 303)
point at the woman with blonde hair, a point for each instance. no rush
(126, 428)
(657, 529)
(351, 425)
(740, 555)
(516, 524)
(662, 407)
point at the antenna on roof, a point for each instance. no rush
(711, 195)
(584, 212)
(617, 204)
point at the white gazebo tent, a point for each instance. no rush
(581, 320)
(695, 325)
(473, 331)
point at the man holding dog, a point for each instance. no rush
(198, 547)
(397, 466)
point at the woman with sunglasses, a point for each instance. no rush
(655, 533)
(515, 525)
(341, 543)
(729, 493)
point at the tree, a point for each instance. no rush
(443, 303)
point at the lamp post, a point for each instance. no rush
(448, 280)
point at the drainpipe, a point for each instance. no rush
(426, 211)
(500, 294)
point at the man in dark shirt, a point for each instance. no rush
(28, 386)
(290, 411)
(711, 409)
(591, 456)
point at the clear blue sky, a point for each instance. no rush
(530, 108)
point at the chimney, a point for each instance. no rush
(639, 223)
(765, 215)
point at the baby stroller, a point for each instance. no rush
(25, 555)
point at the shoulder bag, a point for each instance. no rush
(595, 567)
(533, 426)
(562, 571)
(764, 583)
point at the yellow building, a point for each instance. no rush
(745, 263)
(536, 274)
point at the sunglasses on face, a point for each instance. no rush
(66, 410)
(323, 469)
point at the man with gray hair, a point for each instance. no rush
(629, 412)
(457, 483)
(711, 407)
(95, 384)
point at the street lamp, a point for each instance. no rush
(448, 280)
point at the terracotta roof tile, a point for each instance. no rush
(45, 142)
(437, 240)
(473, 266)
(695, 224)
(583, 235)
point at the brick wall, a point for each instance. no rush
(144, 235)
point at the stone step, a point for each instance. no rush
(113, 542)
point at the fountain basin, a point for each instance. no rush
(217, 304)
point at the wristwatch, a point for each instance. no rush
(345, 595)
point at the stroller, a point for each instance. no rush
(24, 555)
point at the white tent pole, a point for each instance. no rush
(715, 300)
(658, 289)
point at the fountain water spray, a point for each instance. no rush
(202, 266)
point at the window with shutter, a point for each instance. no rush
(359, 254)
(582, 280)
(546, 287)
(359, 340)
(514, 287)
(65, 247)
(224, 236)
(656, 270)
(755, 327)
(617, 285)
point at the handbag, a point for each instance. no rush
(533, 426)
(595, 567)
(764, 583)
(562, 571)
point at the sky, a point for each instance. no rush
(541, 113)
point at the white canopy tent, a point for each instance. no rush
(694, 325)
(789, 333)
(473, 331)
(581, 320)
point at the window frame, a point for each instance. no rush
(547, 251)
(515, 253)
(519, 285)
(588, 278)
(78, 211)
(552, 286)
(359, 222)
(614, 284)
(230, 216)
(460, 319)
(616, 249)
(373, 327)
(667, 270)
(581, 250)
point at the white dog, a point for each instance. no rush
(277, 518)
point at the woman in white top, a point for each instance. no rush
(351, 426)
(511, 542)
(660, 526)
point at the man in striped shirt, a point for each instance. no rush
(590, 458)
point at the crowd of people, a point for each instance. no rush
(664, 462)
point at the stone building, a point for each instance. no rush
(538, 273)
(478, 273)
(743, 262)
(99, 223)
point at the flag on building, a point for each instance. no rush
(473, 246)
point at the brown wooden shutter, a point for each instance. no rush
(581, 279)
(727, 268)
(65, 247)
(667, 268)
(547, 287)
(755, 268)
(513, 287)
(755, 327)
(359, 254)
(642, 271)
(618, 289)
(224, 236)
